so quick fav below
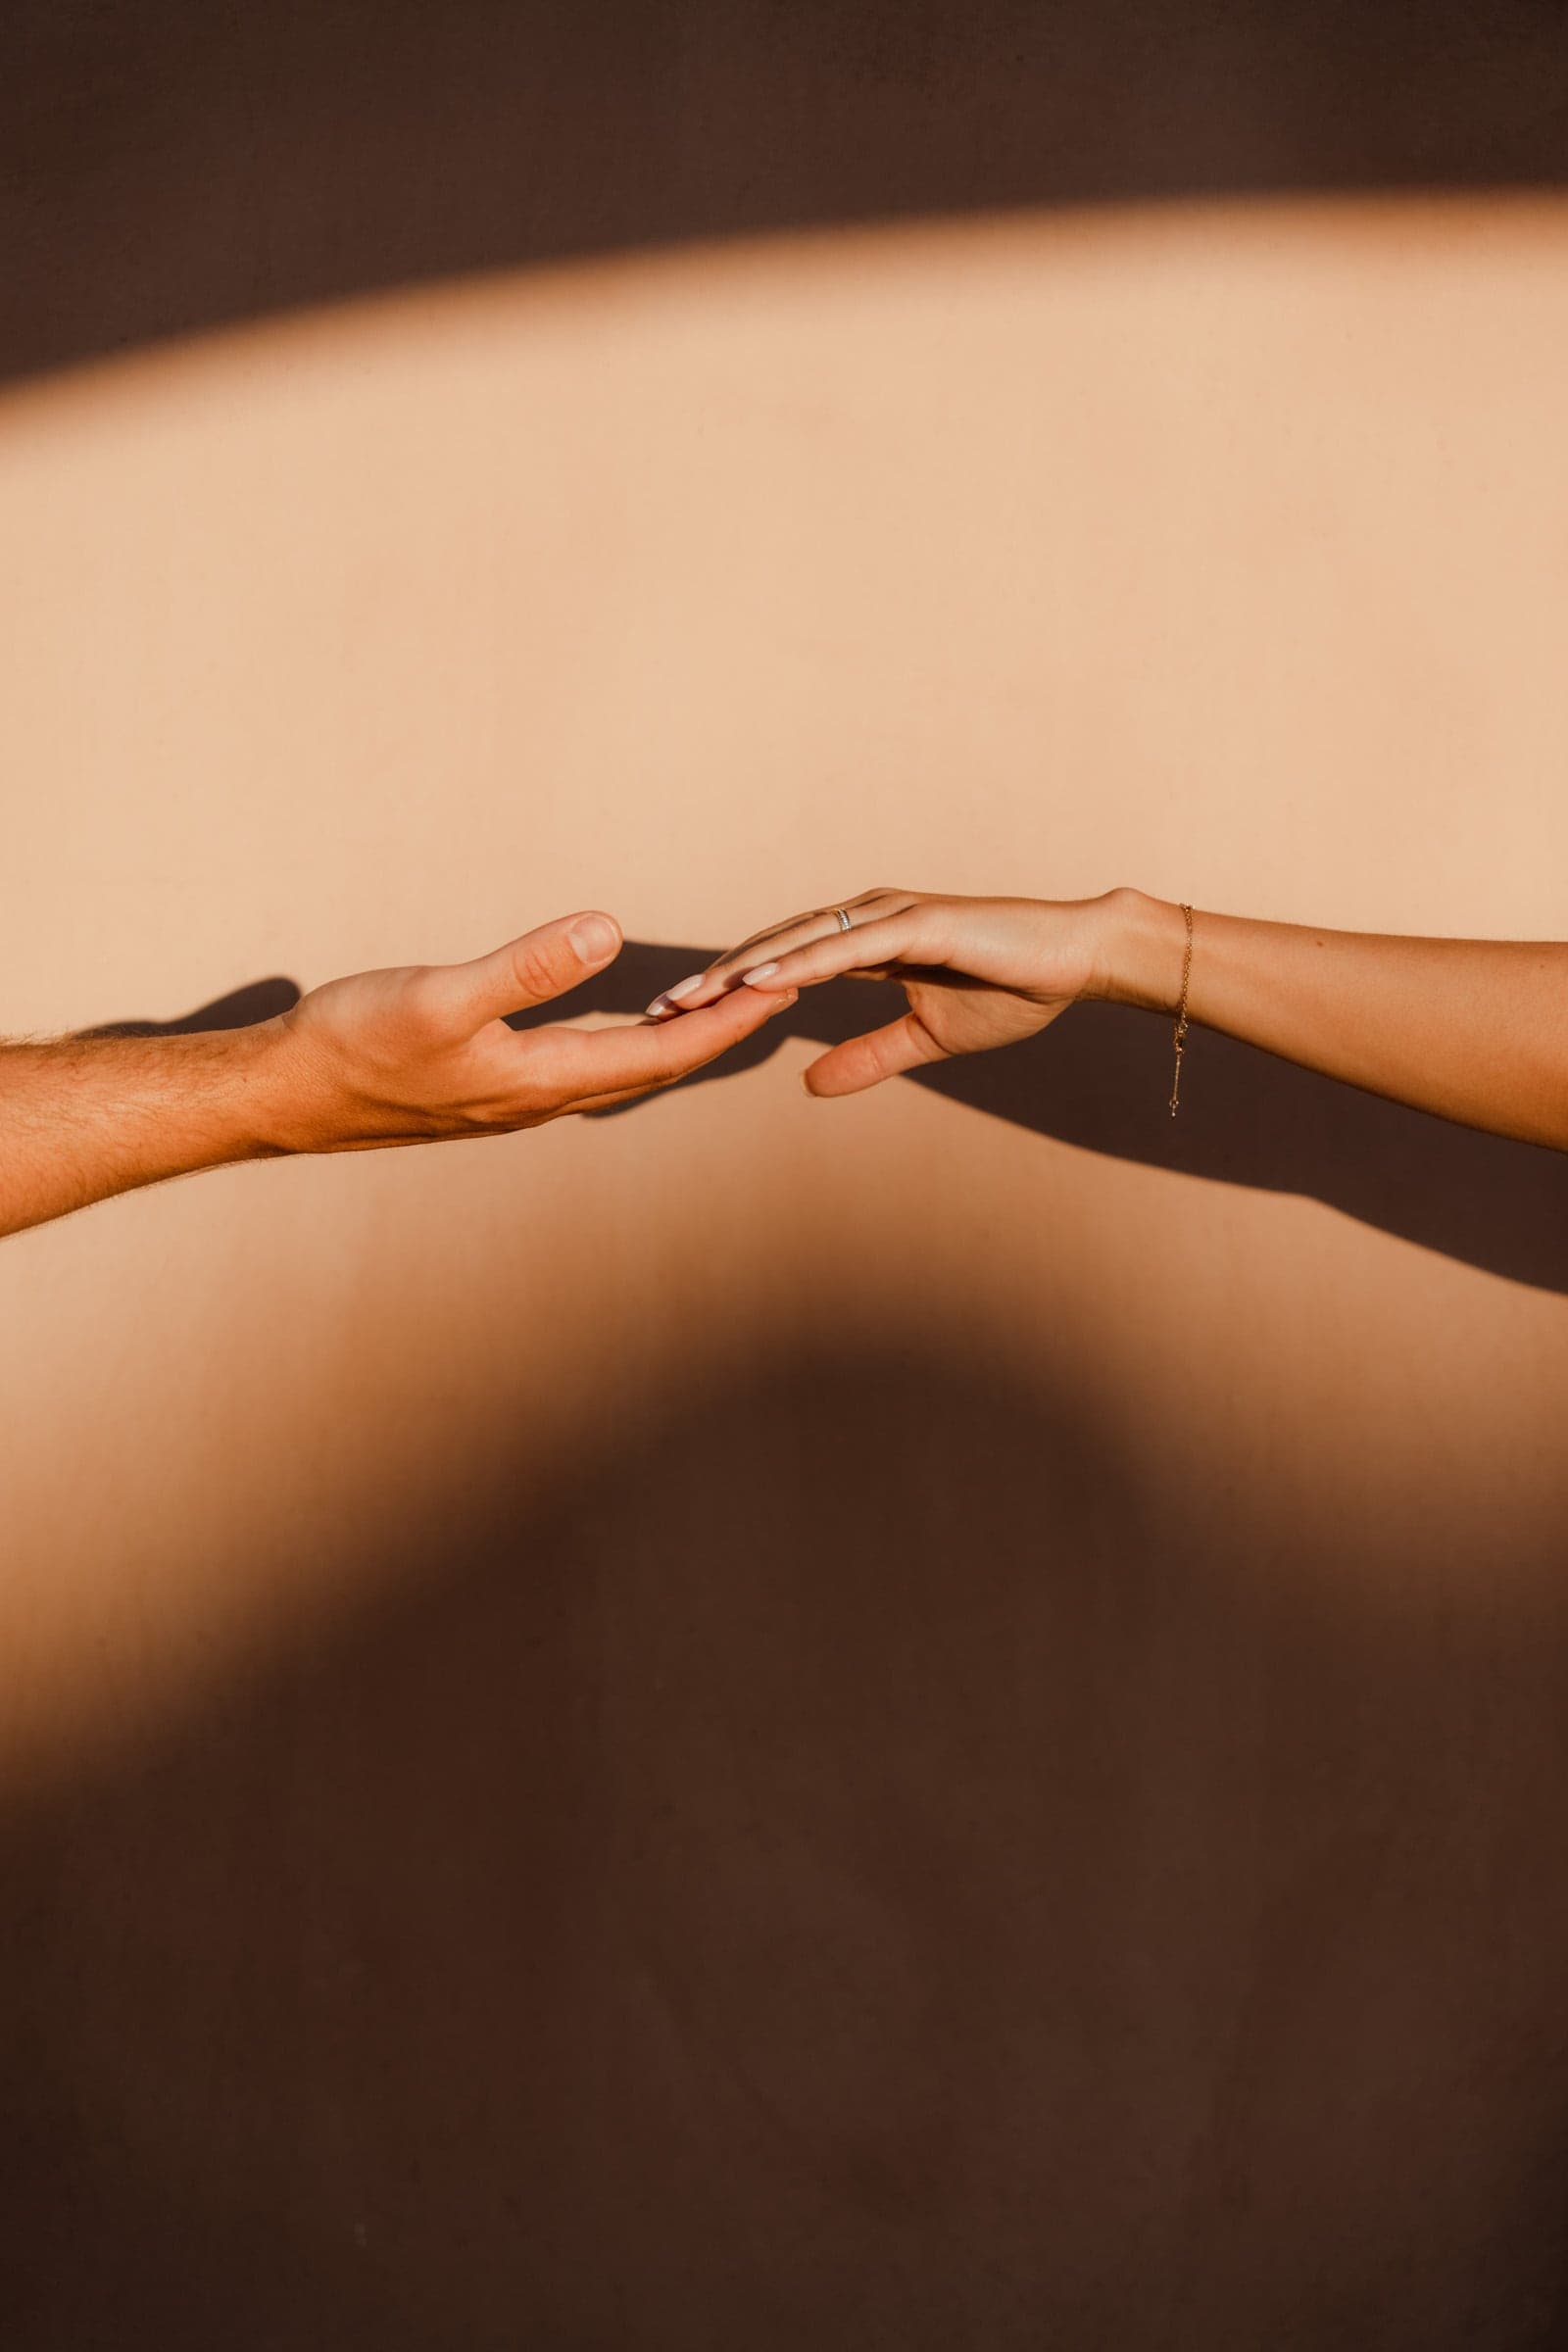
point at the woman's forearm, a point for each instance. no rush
(1474, 1030)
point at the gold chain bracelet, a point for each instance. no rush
(1179, 1038)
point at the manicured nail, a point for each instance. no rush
(673, 996)
(594, 937)
(758, 974)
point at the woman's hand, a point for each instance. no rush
(977, 972)
(1473, 1029)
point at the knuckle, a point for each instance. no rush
(424, 1000)
(536, 971)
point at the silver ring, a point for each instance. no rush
(844, 923)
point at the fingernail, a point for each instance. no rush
(671, 995)
(593, 937)
(758, 973)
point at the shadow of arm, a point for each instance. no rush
(1099, 1079)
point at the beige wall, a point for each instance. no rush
(1221, 551)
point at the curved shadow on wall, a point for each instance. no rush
(172, 167)
(855, 1862)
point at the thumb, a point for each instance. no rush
(531, 970)
(862, 1062)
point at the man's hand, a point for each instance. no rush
(424, 1054)
(416, 1055)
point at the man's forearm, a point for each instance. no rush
(1475, 1030)
(417, 1054)
(83, 1117)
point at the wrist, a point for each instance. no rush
(275, 1093)
(1140, 944)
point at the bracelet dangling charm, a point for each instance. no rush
(1179, 1037)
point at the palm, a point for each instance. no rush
(389, 1018)
(428, 1050)
(964, 1016)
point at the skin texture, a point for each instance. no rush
(1474, 1030)
(413, 1056)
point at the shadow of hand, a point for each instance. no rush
(1099, 1079)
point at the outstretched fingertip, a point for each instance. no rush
(595, 937)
